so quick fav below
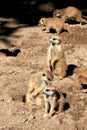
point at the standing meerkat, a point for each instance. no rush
(54, 100)
(56, 61)
(53, 23)
(70, 13)
(37, 84)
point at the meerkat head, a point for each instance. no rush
(57, 13)
(41, 22)
(47, 76)
(55, 40)
(49, 91)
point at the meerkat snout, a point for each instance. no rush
(55, 40)
(57, 13)
(47, 79)
(49, 92)
(50, 79)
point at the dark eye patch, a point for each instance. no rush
(54, 38)
(43, 74)
(47, 90)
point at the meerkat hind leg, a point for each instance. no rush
(52, 109)
(61, 104)
(58, 30)
(47, 106)
(61, 107)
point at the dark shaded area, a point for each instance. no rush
(7, 31)
(30, 11)
(66, 106)
(70, 70)
(64, 94)
(6, 41)
(84, 86)
(10, 53)
(24, 98)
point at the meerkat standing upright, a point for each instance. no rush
(37, 84)
(53, 99)
(56, 61)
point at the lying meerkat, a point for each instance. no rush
(69, 13)
(56, 61)
(37, 83)
(80, 81)
(79, 71)
(53, 100)
(53, 23)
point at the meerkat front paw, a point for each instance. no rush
(45, 115)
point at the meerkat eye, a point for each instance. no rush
(54, 38)
(43, 74)
(47, 89)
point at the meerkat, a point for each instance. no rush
(78, 71)
(80, 82)
(53, 23)
(37, 83)
(54, 100)
(56, 61)
(70, 13)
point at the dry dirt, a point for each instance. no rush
(23, 52)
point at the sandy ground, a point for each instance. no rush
(23, 52)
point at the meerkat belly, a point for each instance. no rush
(60, 68)
(53, 52)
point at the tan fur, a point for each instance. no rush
(37, 83)
(53, 23)
(83, 72)
(53, 99)
(56, 61)
(69, 13)
(82, 80)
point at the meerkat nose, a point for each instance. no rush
(49, 79)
